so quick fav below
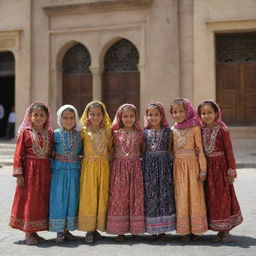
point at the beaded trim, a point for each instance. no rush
(211, 137)
(98, 139)
(156, 136)
(180, 137)
(220, 153)
(38, 150)
(69, 145)
(231, 172)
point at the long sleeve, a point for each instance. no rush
(229, 153)
(109, 142)
(19, 155)
(199, 146)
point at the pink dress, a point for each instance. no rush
(126, 203)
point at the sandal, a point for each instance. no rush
(89, 237)
(60, 238)
(38, 238)
(97, 235)
(120, 238)
(69, 236)
(163, 237)
(218, 238)
(30, 239)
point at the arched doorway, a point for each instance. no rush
(7, 87)
(77, 77)
(236, 77)
(121, 78)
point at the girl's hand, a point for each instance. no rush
(20, 180)
(202, 176)
(231, 179)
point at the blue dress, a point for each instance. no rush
(159, 202)
(64, 194)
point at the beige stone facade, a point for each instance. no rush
(174, 38)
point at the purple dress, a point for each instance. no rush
(159, 202)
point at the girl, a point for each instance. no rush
(94, 182)
(126, 211)
(64, 193)
(189, 171)
(157, 170)
(31, 166)
(223, 208)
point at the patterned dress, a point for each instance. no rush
(189, 191)
(126, 210)
(31, 159)
(64, 195)
(94, 180)
(158, 182)
(222, 205)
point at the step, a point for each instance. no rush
(243, 131)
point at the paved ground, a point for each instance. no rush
(244, 237)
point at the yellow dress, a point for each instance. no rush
(94, 180)
(189, 159)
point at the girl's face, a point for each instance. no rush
(128, 118)
(95, 116)
(178, 113)
(68, 120)
(208, 115)
(38, 118)
(154, 117)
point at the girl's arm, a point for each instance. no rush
(201, 156)
(229, 154)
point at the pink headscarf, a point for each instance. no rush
(190, 118)
(27, 124)
(117, 123)
(160, 107)
(218, 119)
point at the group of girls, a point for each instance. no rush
(93, 176)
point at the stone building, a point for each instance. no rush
(137, 51)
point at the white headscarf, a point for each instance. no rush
(78, 126)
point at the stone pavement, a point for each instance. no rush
(244, 236)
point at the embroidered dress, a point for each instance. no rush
(64, 195)
(31, 159)
(223, 209)
(158, 182)
(126, 209)
(189, 191)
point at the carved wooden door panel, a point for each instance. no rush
(121, 78)
(236, 77)
(77, 78)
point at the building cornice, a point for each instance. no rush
(95, 6)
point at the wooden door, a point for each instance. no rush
(236, 78)
(121, 78)
(77, 78)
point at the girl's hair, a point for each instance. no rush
(128, 107)
(153, 105)
(95, 105)
(210, 103)
(70, 110)
(40, 106)
(179, 101)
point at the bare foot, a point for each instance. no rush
(30, 239)
(226, 237)
(60, 238)
(38, 238)
(89, 237)
(218, 237)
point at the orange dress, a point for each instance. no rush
(189, 159)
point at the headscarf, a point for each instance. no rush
(78, 125)
(117, 123)
(27, 124)
(106, 122)
(190, 117)
(218, 118)
(160, 107)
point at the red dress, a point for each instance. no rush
(126, 202)
(222, 205)
(31, 159)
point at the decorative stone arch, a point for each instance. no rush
(73, 75)
(121, 76)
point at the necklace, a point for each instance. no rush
(127, 142)
(180, 137)
(98, 139)
(156, 138)
(209, 138)
(38, 150)
(69, 146)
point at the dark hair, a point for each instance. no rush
(95, 105)
(178, 101)
(152, 105)
(210, 103)
(68, 109)
(40, 106)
